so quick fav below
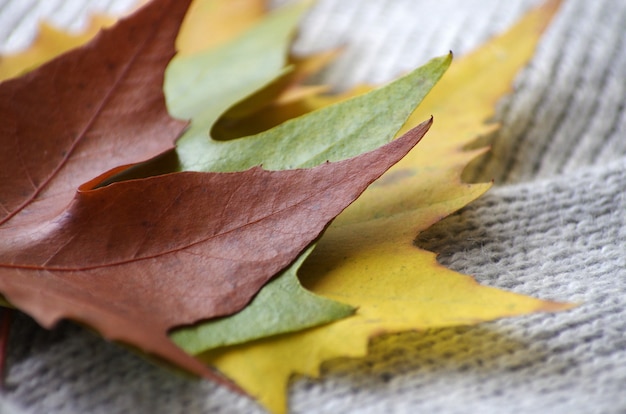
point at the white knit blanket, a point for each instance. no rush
(554, 227)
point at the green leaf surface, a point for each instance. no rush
(332, 133)
(204, 85)
(281, 303)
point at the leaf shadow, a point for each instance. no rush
(418, 364)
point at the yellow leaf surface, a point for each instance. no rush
(49, 43)
(367, 257)
(210, 23)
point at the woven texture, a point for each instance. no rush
(554, 226)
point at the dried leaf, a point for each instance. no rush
(367, 257)
(84, 113)
(131, 259)
(91, 110)
(136, 258)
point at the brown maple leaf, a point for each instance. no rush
(91, 110)
(135, 258)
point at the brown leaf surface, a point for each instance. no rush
(86, 112)
(91, 110)
(136, 258)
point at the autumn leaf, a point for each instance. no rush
(105, 98)
(101, 211)
(331, 134)
(321, 310)
(89, 111)
(367, 257)
(134, 259)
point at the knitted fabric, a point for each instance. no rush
(553, 226)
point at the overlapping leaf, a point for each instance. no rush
(92, 259)
(330, 134)
(288, 288)
(367, 257)
(135, 258)
(282, 305)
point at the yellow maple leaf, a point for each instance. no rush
(367, 257)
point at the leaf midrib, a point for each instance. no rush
(79, 138)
